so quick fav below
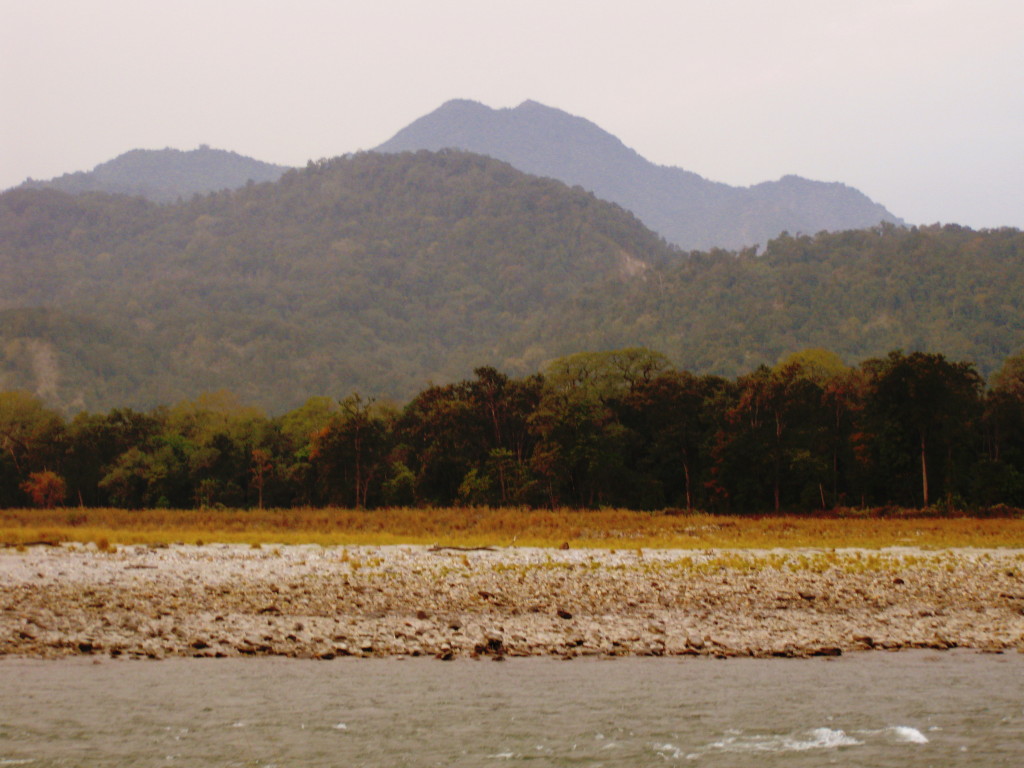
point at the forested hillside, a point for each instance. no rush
(386, 273)
(381, 273)
(859, 293)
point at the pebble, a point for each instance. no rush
(315, 602)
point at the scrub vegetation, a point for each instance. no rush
(479, 526)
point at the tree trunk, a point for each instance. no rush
(836, 441)
(835, 477)
(501, 482)
(924, 472)
(14, 457)
(686, 471)
(359, 469)
(778, 460)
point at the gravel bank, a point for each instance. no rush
(308, 601)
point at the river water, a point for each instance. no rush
(873, 709)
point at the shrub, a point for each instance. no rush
(46, 489)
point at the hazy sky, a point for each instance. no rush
(917, 103)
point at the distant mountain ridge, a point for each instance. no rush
(165, 175)
(685, 208)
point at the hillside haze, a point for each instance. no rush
(685, 208)
(166, 175)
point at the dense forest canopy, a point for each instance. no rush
(387, 273)
(619, 428)
(859, 293)
(370, 272)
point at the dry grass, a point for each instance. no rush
(610, 529)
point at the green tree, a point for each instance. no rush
(999, 475)
(295, 474)
(440, 441)
(671, 414)
(92, 444)
(584, 453)
(30, 437)
(924, 411)
(155, 474)
(500, 408)
(773, 441)
(1005, 412)
(219, 434)
(351, 452)
(842, 397)
(261, 468)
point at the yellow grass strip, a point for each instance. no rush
(473, 526)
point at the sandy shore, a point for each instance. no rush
(308, 601)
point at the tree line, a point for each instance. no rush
(620, 428)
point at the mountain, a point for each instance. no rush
(686, 209)
(376, 272)
(166, 175)
(383, 273)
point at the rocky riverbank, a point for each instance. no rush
(309, 601)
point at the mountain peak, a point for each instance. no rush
(164, 175)
(684, 208)
(453, 105)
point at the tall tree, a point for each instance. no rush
(927, 407)
(94, 442)
(585, 452)
(842, 396)
(999, 477)
(30, 436)
(351, 451)
(671, 414)
(439, 441)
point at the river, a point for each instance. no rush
(872, 709)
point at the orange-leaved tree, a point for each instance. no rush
(45, 489)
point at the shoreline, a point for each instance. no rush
(308, 601)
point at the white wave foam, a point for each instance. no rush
(668, 751)
(829, 738)
(816, 738)
(907, 734)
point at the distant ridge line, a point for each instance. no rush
(685, 208)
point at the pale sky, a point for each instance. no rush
(917, 103)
